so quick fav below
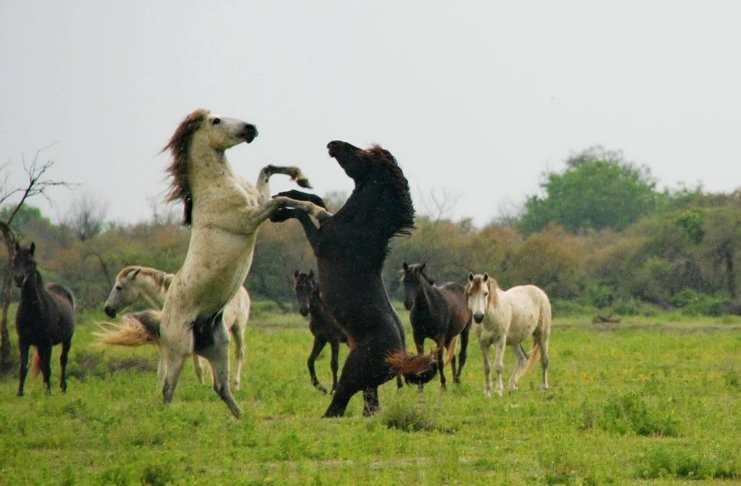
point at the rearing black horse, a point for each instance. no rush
(45, 317)
(350, 248)
(437, 312)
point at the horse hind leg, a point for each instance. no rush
(198, 368)
(462, 356)
(542, 341)
(519, 367)
(218, 356)
(238, 334)
(370, 401)
(63, 364)
(171, 365)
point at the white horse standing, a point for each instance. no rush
(136, 282)
(224, 213)
(508, 318)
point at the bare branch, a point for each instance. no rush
(439, 205)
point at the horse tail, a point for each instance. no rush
(416, 368)
(135, 329)
(451, 350)
(534, 355)
(35, 363)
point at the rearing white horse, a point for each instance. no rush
(224, 213)
(508, 318)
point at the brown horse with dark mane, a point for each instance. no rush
(437, 312)
(45, 317)
(350, 248)
(321, 324)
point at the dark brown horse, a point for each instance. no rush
(321, 324)
(45, 317)
(437, 312)
(350, 248)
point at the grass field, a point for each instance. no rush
(647, 401)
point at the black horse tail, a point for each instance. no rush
(416, 368)
(135, 329)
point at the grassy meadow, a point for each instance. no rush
(648, 401)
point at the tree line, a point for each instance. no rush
(599, 233)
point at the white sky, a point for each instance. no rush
(476, 99)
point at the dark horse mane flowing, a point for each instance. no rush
(350, 248)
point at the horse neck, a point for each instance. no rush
(423, 298)
(32, 288)
(154, 287)
(206, 165)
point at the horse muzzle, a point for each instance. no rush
(304, 310)
(249, 132)
(478, 317)
(110, 311)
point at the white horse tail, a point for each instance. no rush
(534, 356)
(135, 329)
(451, 350)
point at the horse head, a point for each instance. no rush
(304, 286)
(123, 293)
(24, 264)
(204, 129)
(478, 294)
(411, 278)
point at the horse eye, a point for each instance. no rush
(118, 287)
(216, 121)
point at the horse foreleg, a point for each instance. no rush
(441, 362)
(370, 401)
(334, 362)
(23, 365)
(520, 366)
(487, 368)
(499, 347)
(63, 364)
(419, 343)
(319, 343)
(462, 355)
(44, 351)
(304, 196)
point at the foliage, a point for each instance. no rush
(598, 189)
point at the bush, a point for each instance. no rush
(630, 414)
(682, 464)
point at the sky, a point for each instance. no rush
(477, 100)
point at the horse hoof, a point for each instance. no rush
(19, 394)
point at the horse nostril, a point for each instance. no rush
(110, 311)
(478, 317)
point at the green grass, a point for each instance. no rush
(651, 400)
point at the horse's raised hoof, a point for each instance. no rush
(319, 387)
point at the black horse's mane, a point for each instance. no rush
(384, 192)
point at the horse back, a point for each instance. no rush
(529, 300)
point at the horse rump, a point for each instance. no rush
(135, 329)
(416, 368)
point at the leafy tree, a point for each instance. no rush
(598, 189)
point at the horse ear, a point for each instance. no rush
(470, 277)
(136, 272)
(33, 247)
(422, 267)
(405, 266)
(17, 246)
(295, 274)
(311, 273)
(486, 276)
